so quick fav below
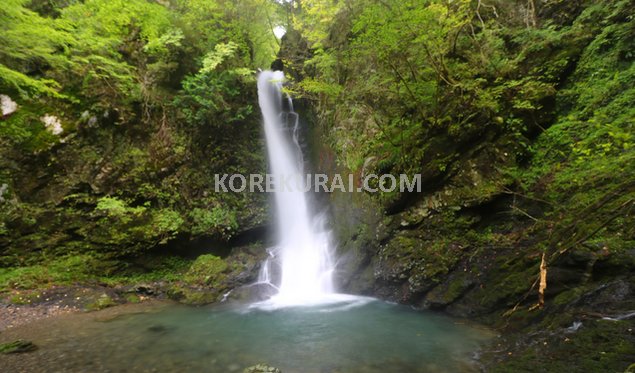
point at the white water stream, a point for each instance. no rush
(303, 255)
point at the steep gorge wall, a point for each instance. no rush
(494, 203)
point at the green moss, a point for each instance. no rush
(193, 296)
(206, 270)
(449, 291)
(25, 129)
(84, 268)
(510, 288)
(132, 298)
(504, 282)
(582, 164)
(24, 277)
(568, 296)
(456, 288)
(104, 301)
(17, 347)
(119, 224)
(157, 268)
(421, 260)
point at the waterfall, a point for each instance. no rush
(303, 252)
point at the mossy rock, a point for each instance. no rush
(507, 280)
(449, 291)
(411, 256)
(206, 270)
(192, 296)
(132, 298)
(104, 301)
(18, 346)
(569, 296)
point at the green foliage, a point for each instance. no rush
(64, 270)
(167, 221)
(30, 40)
(221, 52)
(316, 19)
(412, 70)
(24, 129)
(120, 224)
(215, 221)
(583, 164)
(246, 23)
(118, 208)
(154, 97)
(26, 85)
(110, 53)
(86, 268)
(170, 269)
(211, 97)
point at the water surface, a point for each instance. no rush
(362, 336)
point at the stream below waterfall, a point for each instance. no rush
(358, 335)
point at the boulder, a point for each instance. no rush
(18, 346)
(262, 368)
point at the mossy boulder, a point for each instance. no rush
(207, 270)
(448, 291)
(104, 301)
(132, 298)
(196, 296)
(18, 346)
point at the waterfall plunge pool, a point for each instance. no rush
(354, 335)
(305, 327)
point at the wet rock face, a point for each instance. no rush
(457, 250)
(449, 291)
(611, 300)
(250, 293)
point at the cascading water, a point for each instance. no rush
(303, 251)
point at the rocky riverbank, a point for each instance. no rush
(15, 315)
(24, 307)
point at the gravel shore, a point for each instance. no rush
(26, 306)
(12, 315)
